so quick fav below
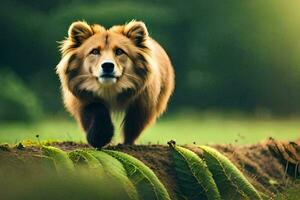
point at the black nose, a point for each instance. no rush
(108, 67)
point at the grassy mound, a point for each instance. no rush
(151, 171)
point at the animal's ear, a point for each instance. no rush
(137, 32)
(79, 31)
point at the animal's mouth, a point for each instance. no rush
(108, 76)
(108, 79)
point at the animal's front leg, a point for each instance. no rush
(96, 121)
(138, 116)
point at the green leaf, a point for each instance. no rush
(231, 182)
(62, 162)
(115, 169)
(47, 163)
(194, 178)
(143, 178)
(83, 158)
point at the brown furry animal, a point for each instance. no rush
(112, 70)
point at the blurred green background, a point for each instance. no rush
(239, 61)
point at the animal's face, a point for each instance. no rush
(106, 57)
(100, 59)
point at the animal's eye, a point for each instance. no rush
(95, 51)
(119, 51)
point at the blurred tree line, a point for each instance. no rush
(231, 55)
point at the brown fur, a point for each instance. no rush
(144, 83)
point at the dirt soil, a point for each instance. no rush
(270, 166)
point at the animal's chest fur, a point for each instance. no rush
(110, 97)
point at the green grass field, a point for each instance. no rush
(183, 128)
